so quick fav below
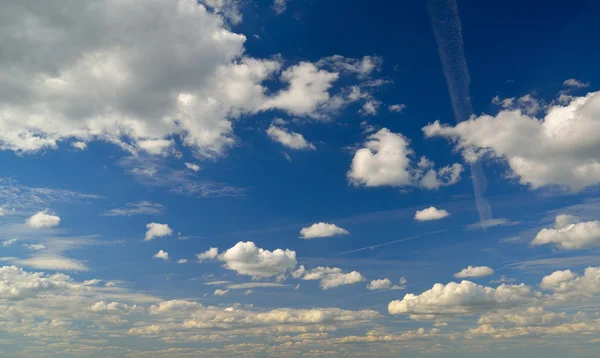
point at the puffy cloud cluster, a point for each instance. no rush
(329, 277)
(562, 148)
(288, 138)
(209, 254)
(386, 284)
(461, 298)
(247, 259)
(566, 284)
(157, 230)
(477, 271)
(387, 160)
(570, 234)
(43, 220)
(320, 230)
(431, 213)
(16, 283)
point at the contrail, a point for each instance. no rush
(447, 29)
(392, 242)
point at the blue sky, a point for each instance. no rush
(260, 178)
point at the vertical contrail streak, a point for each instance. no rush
(447, 29)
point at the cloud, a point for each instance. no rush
(209, 254)
(247, 259)
(220, 292)
(461, 298)
(382, 284)
(192, 166)
(568, 284)
(253, 285)
(477, 271)
(139, 208)
(279, 6)
(320, 230)
(182, 261)
(570, 234)
(157, 230)
(571, 82)
(9, 242)
(163, 255)
(48, 261)
(386, 160)
(431, 213)
(362, 67)
(288, 138)
(486, 224)
(370, 108)
(566, 138)
(15, 283)
(331, 277)
(43, 220)
(397, 107)
(35, 247)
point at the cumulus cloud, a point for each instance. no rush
(477, 271)
(382, 284)
(570, 234)
(139, 208)
(288, 138)
(387, 160)
(219, 292)
(571, 82)
(247, 259)
(157, 230)
(566, 139)
(397, 107)
(461, 298)
(431, 213)
(16, 283)
(43, 220)
(320, 230)
(331, 277)
(209, 254)
(568, 284)
(192, 166)
(182, 261)
(163, 255)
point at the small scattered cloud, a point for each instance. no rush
(571, 82)
(43, 220)
(321, 230)
(35, 247)
(289, 139)
(431, 213)
(9, 242)
(209, 254)
(182, 261)
(162, 255)
(397, 108)
(477, 271)
(157, 230)
(192, 166)
(219, 292)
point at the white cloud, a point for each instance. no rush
(566, 138)
(397, 107)
(567, 284)
(79, 145)
(386, 161)
(331, 277)
(279, 6)
(139, 208)
(220, 292)
(9, 242)
(252, 285)
(362, 67)
(182, 261)
(48, 261)
(477, 271)
(163, 255)
(289, 139)
(192, 166)
(35, 247)
(431, 213)
(15, 283)
(209, 254)
(489, 223)
(571, 82)
(382, 284)
(42, 220)
(157, 230)
(461, 298)
(247, 259)
(320, 230)
(570, 234)
(370, 108)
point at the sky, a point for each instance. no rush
(184, 178)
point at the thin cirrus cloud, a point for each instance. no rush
(431, 213)
(139, 208)
(322, 230)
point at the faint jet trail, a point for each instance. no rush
(447, 29)
(392, 242)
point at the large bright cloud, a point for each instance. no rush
(568, 233)
(560, 148)
(568, 284)
(461, 298)
(247, 259)
(387, 160)
(320, 230)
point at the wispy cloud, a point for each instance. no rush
(139, 208)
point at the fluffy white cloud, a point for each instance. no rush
(163, 255)
(386, 160)
(570, 234)
(182, 261)
(319, 230)
(157, 230)
(8, 242)
(209, 254)
(431, 213)
(370, 108)
(382, 284)
(42, 220)
(289, 139)
(220, 292)
(15, 283)
(192, 166)
(571, 82)
(331, 277)
(460, 298)
(477, 271)
(397, 107)
(247, 259)
(567, 142)
(567, 284)
(139, 208)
